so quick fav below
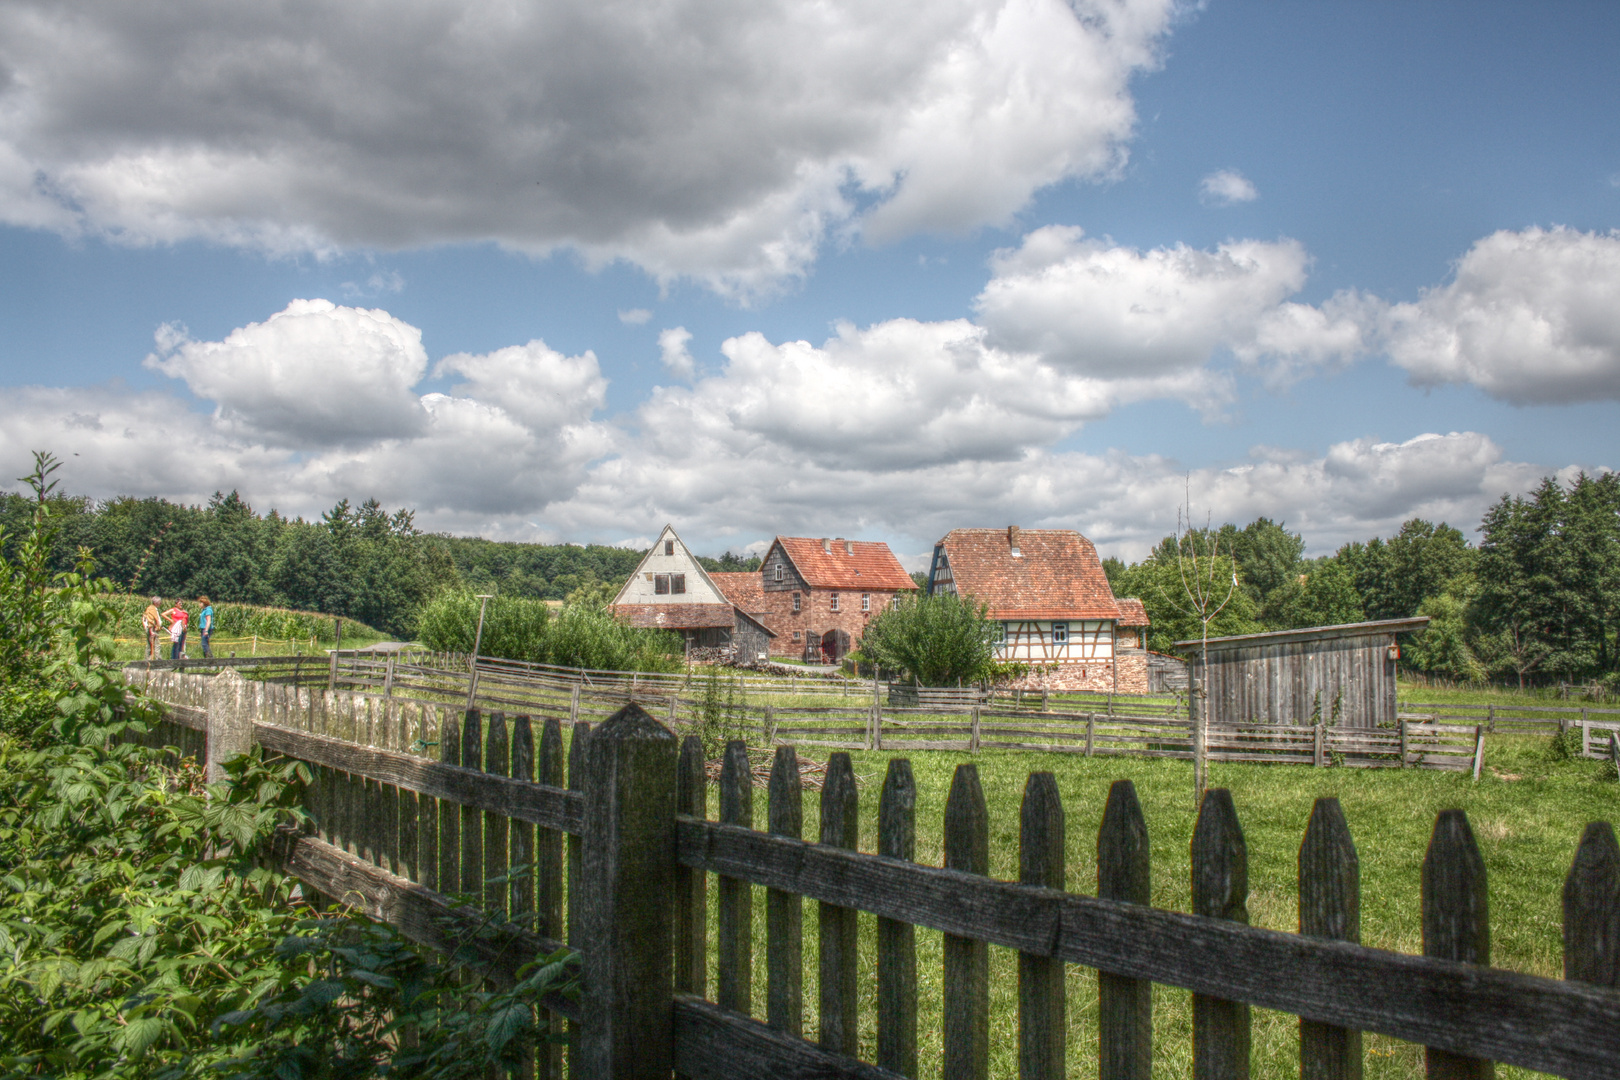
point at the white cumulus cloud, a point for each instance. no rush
(695, 138)
(673, 351)
(1226, 188)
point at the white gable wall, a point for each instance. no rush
(640, 589)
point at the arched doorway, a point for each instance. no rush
(834, 646)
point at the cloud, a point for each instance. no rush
(673, 352)
(1529, 317)
(1226, 188)
(1110, 311)
(635, 316)
(311, 374)
(690, 138)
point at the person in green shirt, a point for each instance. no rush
(205, 624)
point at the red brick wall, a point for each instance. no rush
(1125, 674)
(816, 617)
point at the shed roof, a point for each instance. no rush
(1131, 612)
(743, 588)
(1376, 628)
(850, 564)
(1056, 575)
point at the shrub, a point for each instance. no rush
(939, 640)
(580, 635)
(514, 627)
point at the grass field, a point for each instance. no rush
(1527, 813)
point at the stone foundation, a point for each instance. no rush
(1126, 674)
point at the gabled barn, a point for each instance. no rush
(1051, 601)
(670, 590)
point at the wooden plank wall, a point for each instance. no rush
(1285, 682)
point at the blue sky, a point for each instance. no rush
(839, 269)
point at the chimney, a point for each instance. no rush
(1012, 539)
(826, 545)
(849, 548)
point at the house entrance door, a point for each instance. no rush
(834, 646)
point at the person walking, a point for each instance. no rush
(205, 624)
(177, 631)
(152, 622)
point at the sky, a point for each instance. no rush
(569, 271)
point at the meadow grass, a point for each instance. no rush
(1527, 811)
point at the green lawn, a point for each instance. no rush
(1527, 812)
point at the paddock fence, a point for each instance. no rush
(599, 837)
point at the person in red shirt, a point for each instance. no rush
(177, 631)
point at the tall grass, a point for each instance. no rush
(580, 635)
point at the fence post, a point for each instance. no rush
(1044, 699)
(1479, 750)
(840, 827)
(1592, 909)
(673, 700)
(973, 736)
(1318, 737)
(784, 911)
(1041, 1031)
(1329, 907)
(735, 904)
(230, 722)
(1403, 742)
(897, 941)
(1091, 732)
(388, 678)
(691, 893)
(626, 883)
(573, 707)
(1220, 890)
(1490, 718)
(1456, 921)
(1124, 1005)
(331, 672)
(967, 962)
(770, 736)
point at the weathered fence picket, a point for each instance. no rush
(784, 911)
(967, 959)
(897, 940)
(734, 910)
(837, 982)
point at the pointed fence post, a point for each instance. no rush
(840, 827)
(734, 921)
(1125, 1005)
(626, 881)
(1456, 922)
(1329, 907)
(1041, 1011)
(691, 893)
(967, 962)
(1592, 909)
(1220, 890)
(897, 941)
(784, 911)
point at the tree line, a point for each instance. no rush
(1536, 601)
(360, 562)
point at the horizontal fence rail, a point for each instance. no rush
(440, 820)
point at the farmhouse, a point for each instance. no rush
(1052, 603)
(818, 595)
(670, 590)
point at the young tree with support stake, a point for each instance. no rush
(1203, 579)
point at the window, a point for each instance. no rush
(1060, 633)
(677, 583)
(669, 547)
(778, 572)
(795, 635)
(866, 601)
(999, 634)
(795, 604)
(834, 606)
(661, 584)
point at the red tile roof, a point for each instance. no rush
(1131, 612)
(1056, 576)
(676, 616)
(746, 590)
(868, 564)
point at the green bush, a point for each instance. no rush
(939, 640)
(514, 627)
(586, 636)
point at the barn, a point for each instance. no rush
(1342, 675)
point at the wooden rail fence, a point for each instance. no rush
(413, 803)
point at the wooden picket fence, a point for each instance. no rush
(413, 802)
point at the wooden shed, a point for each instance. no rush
(1342, 675)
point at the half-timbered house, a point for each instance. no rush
(1053, 607)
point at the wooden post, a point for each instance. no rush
(573, 706)
(1124, 1005)
(1220, 890)
(734, 921)
(427, 807)
(1479, 750)
(840, 827)
(1091, 733)
(626, 883)
(449, 812)
(1318, 745)
(765, 724)
(1490, 717)
(967, 962)
(784, 911)
(1456, 922)
(1403, 742)
(1044, 700)
(1041, 1030)
(1592, 909)
(230, 722)
(691, 892)
(331, 672)
(388, 677)
(408, 721)
(973, 732)
(1329, 907)
(673, 701)
(897, 941)
(497, 836)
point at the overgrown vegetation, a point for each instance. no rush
(939, 640)
(582, 634)
(1537, 601)
(140, 935)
